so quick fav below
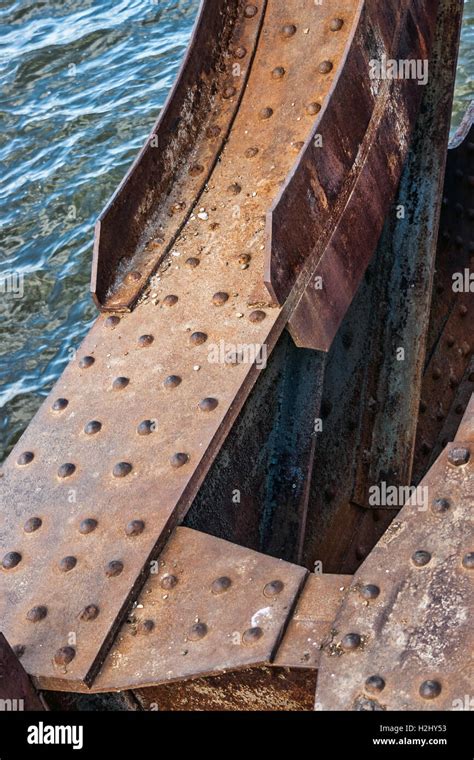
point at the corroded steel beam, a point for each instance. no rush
(16, 690)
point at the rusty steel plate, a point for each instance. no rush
(16, 691)
(311, 622)
(402, 639)
(211, 606)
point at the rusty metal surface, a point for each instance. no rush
(403, 638)
(16, 690)
(311, 622)
(211, 606)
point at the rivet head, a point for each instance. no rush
(229, 92)
(266, 113)
(192, 262)
(88, 525)
(240, 52)
(459, 456)
(252, 635)
(59, 404)
(92, 427)
(146, 427)
(213, 131)
(170, 300)
(369, 591)
(336, 24)
(86, 362)
(135, 527)
(197, 631)
(251, 152)
(112, 322)
(67, 564)
(168, 581)
(297, 145)
(37, 613)
(439, 506)
(122, 469)
(11, 560)
(146, 626)
(257, 316)
(113, 568)
(145, 340)
(89, 613)
(313, 108)
(325, 67)
(25, 458)
(351, 641)
(421, 558)
(468, 561)
(64, 656)
(250, 11)
(220, 585)
(374, 684)
(244, 258)
(133, 277)
(19, 650)
(172, 381)
(197, 338)
(273, 588)
(278, 72)
(66, 470)
(289, 30)
(430, 689)
(195, 170)
(218, 299)
(235, 188)
(32, 524)
(208, 404)
(179, 459)
(120, 383)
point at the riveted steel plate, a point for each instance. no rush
(311, 622)
(211, 606)
(16, 690)
(403, 637)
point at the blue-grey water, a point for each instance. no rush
(81, 83)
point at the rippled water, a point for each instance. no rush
(81, 83)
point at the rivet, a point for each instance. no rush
(122, 469)
(113, 568)
(459, 456)
(430, 689)
(92, 427)
(66, 470)
(133, 277)
(313, 108)
(64, 656)
(168, 582)
(37, 613)
(135, 527)
(195, 170)
(257, 316)
(172, 381)
(240, 52)
(218, 299)
(11, 560)
(146, 427)
(112, 322)
(208, 404)
(421, 558)
(120, 383)
(229, 92)
(213, 131)
(25, 458)
(468, 561)
(146, 626)
(250, 11)
(32, 524)
(351, 641)
(439, 506)
(273, 588)
(197, 631)
(375, 684)
(197, 338)
(170, 300)
(89, 613)
(145, 340)
(370, 591)
(251, 152)
(59, 404)
(336, 24)
(235, 188)
(325, 67)
(244, 258)
(86, 362)
(67, 564)
(252, 635)
(179, 459)
(220, 585)
(278, 72)
(87, 525)
(19, 650)
(297, 145)
(289, 30)
(266, 113)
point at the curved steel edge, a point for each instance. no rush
(341, 192)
